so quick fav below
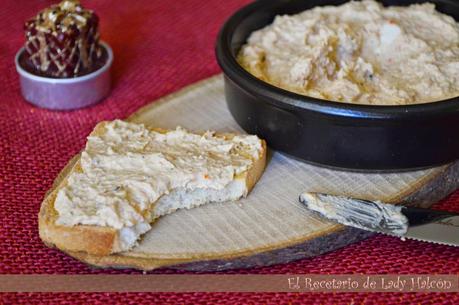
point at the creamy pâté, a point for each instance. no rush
(127, 168)
(359, 52)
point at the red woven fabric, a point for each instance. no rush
(159, 46)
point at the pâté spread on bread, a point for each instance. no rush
(359, 52)
(128, 175)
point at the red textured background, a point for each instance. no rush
(160, 47)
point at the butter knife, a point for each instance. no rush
(406, 222)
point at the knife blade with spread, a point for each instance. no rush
(406, 222)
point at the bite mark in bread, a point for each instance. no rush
(105, 240)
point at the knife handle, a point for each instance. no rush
(419, 216)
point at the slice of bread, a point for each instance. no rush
(103, 240)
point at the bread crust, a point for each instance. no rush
(98, 241)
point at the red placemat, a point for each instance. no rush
(159, 46)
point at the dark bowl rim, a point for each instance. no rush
(284, 98)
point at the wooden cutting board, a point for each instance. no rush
(269, 226)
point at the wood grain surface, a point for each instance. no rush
(270, 226)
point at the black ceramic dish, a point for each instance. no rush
(348, 136)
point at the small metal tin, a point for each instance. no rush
(66, 93)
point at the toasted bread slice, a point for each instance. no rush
(105, 240)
